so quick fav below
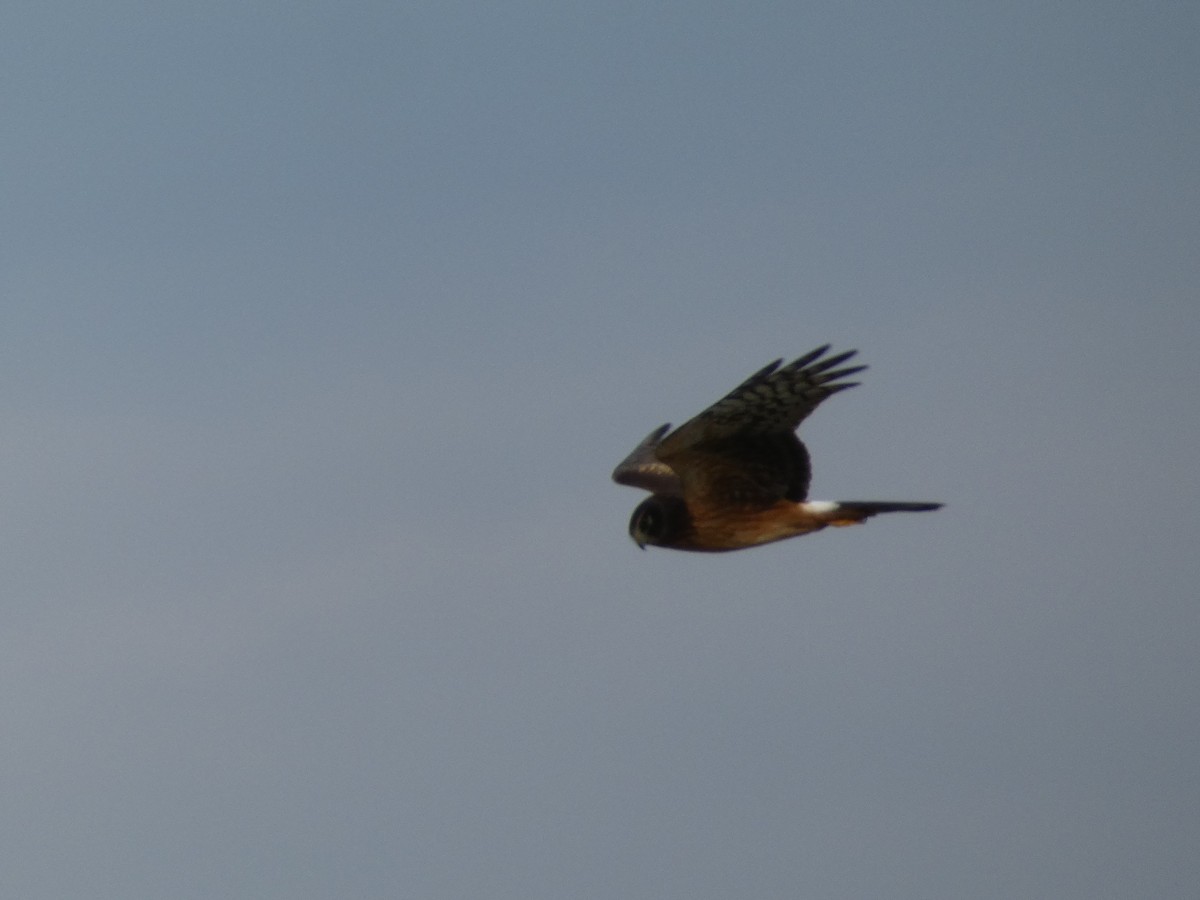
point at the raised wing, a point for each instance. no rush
(772, 401)
(745, 472)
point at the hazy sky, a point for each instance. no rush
(325, 323)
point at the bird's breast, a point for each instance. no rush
(731, 528)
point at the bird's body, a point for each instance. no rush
(737, 475)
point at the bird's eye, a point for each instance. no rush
(648, 525)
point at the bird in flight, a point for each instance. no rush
(737, 475)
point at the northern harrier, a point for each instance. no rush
(737, 475)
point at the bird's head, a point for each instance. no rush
(659, 520)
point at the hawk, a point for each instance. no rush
(737, 475)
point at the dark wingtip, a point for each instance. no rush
(802, 361)
(768, 368)
(836, 360)
(826, 377)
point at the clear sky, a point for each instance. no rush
(323, 325)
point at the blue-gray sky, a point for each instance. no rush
(324, 324)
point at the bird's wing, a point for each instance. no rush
(643, 469)
(745, 472)
(772, 401)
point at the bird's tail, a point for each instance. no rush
(851, 512)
